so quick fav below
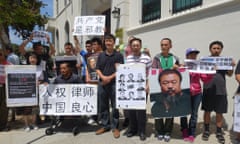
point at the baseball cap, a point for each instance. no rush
(192, 50)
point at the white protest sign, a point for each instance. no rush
(40, 35)
(236, 119)
(21, 85)
(222, 63)
(89, 25)
(198, 66)
(68, 99)
(130, 86)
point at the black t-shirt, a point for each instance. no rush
(106, 63)
(237, 71)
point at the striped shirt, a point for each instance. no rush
(143, 58)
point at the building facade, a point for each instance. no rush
(189, 23)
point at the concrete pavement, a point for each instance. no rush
(87, 135)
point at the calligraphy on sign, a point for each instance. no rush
(40, 35)
(89, 25)
(130, 86)
(68, 99)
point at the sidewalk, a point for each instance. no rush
(87, 135)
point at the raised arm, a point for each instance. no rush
(23, 45)
(52, 48)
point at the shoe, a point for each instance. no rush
(27, 129)
(131, 133)
(116, 133)
(142, 136)
(191, 139)
(126, 132)
(220, 138)
(101, 131)
(185, 133)
(35, 127)
(91, 121)
(205, 135)
(167, 138)
(160, 137)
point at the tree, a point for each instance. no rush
(22, 16)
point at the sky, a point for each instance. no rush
(47, 9)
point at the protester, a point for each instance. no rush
(3, 105)
(13, 59)
(39, 50)
(30, 113)
(106, 70)
(91, 74)
(237, 76)
(11, 56)
(138, 118)
(215, 96)
(165, 60)
(188, 130)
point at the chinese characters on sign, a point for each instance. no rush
(89, 25)
(40, 35)
(130, 86)
(68, 99)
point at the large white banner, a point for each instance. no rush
(89, 25)
(236, 120)
(222, 63)
(130, 86)
(21, 85)
(68, 99)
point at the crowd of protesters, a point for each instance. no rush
(98, 66)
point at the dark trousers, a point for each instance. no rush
(164, 128)
(106, 94)
(137, 120)
(3, 108)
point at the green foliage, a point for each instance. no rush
(21, 15)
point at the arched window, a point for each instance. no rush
(67, 27)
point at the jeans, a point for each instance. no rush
(195, 102)
(106, 93)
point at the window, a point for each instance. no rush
(57, 8)
(151, 10)
(181, 5)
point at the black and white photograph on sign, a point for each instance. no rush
(68, 99)
(236, 120)
(72, 60)
(40, 36)
(173, 98)
(130, 86)
(21, 85)
(89, 25)
(198, 66)
(91, 65)
(222, 63)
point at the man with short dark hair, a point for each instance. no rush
(11, 56)
(106, 70)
